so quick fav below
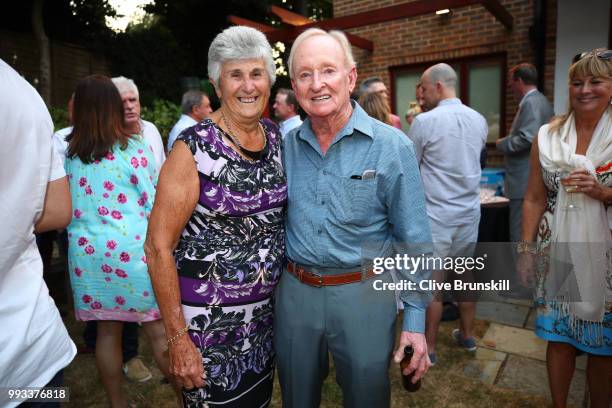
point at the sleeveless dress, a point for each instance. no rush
(550, 325)
(112, 199)
(229, 259)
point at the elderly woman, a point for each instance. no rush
(567, 195)
(220, 208)
(112, 182)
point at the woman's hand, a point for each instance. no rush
(585, 182)
(525, 268)
(186, 363)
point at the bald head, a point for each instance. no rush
(438, 82)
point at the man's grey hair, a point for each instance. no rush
(190, 99)
(239, 43)
(340, 38)
(443, 73)
(124, 85)
(366, 83)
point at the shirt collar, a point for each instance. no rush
(358, 121)
(292, 119)
(450, 101)
(525, 96)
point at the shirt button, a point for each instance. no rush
(322, 202)
(325, 172)
(318, 231)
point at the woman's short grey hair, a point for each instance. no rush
(124, 85)
(340, 38)
(239, 43)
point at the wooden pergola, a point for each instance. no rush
(297, 23)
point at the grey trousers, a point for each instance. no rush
(352, 322)
(516, 215)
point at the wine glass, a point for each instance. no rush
(571, 190)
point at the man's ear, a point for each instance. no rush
(352, 79)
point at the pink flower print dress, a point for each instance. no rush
(111, 200)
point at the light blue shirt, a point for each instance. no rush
(448, 140)
(331, 214)
(288, 125)
(183, 123)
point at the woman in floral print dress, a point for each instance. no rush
(220, 207)
(574, 153)
(112, 182)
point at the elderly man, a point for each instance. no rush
(353, 186)
(534, 110)
(195, 106)
(375, 84)
(448, 139)
(131, 106)
(286, 110)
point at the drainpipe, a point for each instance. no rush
(537, 36)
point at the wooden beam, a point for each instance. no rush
(289, 34)
(499, 12)
(264, 28)
(289, 17)
(384, 14)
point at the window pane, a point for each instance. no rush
(484, 95)
(405, 89)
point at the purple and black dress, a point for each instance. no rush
(229, 260)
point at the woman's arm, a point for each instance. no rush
(534, 203)
(176, 198)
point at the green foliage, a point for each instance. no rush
(163, 114)
(60, 118)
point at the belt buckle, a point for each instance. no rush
(319, 282)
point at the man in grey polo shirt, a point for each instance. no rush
(352, 182)
(448, 139)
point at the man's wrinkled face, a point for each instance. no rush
(282, 110)
(131, 107)
(321, 80)
(203, 109)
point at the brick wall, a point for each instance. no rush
(471, 31)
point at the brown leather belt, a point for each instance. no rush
(317, 281)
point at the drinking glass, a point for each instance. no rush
(571, 191)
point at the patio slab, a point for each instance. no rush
(499, 312)
(530, 376)
(483, 370)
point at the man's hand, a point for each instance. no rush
(420, 359)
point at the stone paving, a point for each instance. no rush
(510, 355)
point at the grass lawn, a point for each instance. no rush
(444, 385)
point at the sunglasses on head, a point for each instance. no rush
(605, 55)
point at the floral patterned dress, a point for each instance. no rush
(112, 199)
(550, 325)
(229, 260)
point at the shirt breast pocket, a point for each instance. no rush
(354, 200)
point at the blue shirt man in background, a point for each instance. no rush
(354, 193)
(195, 106)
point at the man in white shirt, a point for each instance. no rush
(195, 106)
(448, 139)
(131, 106)
(286, 110)
(35, 346)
